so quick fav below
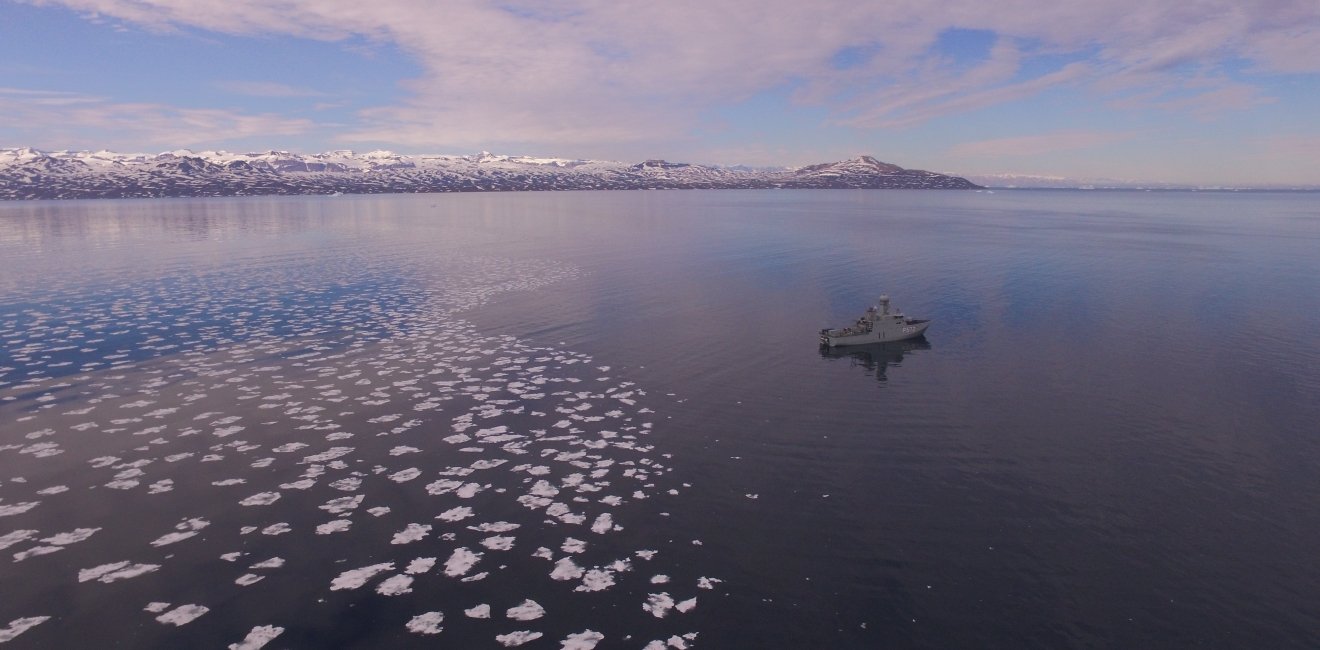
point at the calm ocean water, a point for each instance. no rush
(573, 418)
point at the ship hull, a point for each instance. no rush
(908, 330)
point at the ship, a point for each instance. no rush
(877, 325)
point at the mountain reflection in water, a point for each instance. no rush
(876, 357)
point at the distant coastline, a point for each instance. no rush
(32, 174)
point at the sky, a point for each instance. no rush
(1182, 91)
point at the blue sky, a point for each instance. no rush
(1195, 91)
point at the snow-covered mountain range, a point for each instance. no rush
(27, 173)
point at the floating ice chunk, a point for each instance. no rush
(573, 545)
(395, 585)
(14, 537)
(498, 543)
(475, 577)
(261, 499)
(412, 533)
(248, 579)
(163, 485)
(420, 565)
(276, 529)
(480, 611)
(302, 484)
(528, 610)
(686, 605)
(455, 514)
(566, 569)
(405, 475)
(543, 552)
(596, 580)
(17, 508)
(645, 554)
(428, 623)
(19, 626)
(659, 579)
(658, 604)
(35, 551)
(342, 504)
(272, 563)
(258, 638)
(585, 640)
(72, 537)
(379, 511)
(115, 571)
(518, 638)
(442, 486)
(403, 449)
(708, 583)
(460, 562)
(288, 447)
(603, 524)
(336, 526)
(183, 614)
(348, 484)
(611, 500)
(156, 607)
(494, 527)
(330, 454)
(468, 490)
(357, 577)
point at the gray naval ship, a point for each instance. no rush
(877, 325)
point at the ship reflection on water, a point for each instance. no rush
(876, 357)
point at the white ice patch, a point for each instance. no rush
(566, 569)
(603, 524)
(420, 565)
(455, 514)
(412, 533)
(342, 504)
(405, 475)
(460, 562)
(72, 537)
(498, 543)
(261, 499)
(585, 640)
(336, 526)
(258, 638)
(686, 605)
(596, 580)
(658, 604)
(395, 585)
(115, 571)
(708, 583)
(514, 639)
(480, 611)
(428, 623)
(156, 607)
(358, 577)
(528, 610)
(17, 508)
(19, 626)
(183, 614)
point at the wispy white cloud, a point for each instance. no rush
(72, 119)
(266, 89)
(1035, 145)
(590, 71)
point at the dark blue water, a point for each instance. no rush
(1106, 439)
